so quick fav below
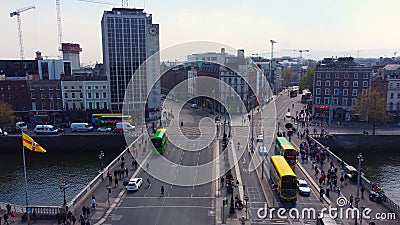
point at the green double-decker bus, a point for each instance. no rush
(160, 140)
(284, 148)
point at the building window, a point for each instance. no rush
(104, 87)
(336, 92)
(365, 76)
(345, 83)
(318, 75)
(345, 92)
(89, 87)
(90, 105)
(104, 95)
(353, 101)
(51, 96)
(346, 76)
(32, 95)
(89, 95)
(81, 95)
(65, 87)
(336, 84)
(391, 95)
(65, 95)
(43, 105)
(318, 91)
(327, 91)
(328, 75)
(355, 83)
(58, 95)
(365, 83)
(52, 105)
(335, 101)
(50, 88)
(96, 87)
(105, 105)
(355, 75)
(72, 87)
(41, 88)
(398, 95)
(336, 75)
(390, 85)
(354, 93)
(31, 88)
(344, 101)
(318, 83)
(97, 95)
(326, 100)
(72, 95)
(364, 92)
(57, 88)
(42, 96)
(327, 83)
(80, 87)
(318, 100)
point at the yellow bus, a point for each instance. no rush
(283, 179)
(284, 148)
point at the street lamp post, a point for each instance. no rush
(360, 159)
(63, 186)
(101, 156)
(252, 131)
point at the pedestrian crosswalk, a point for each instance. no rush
(191, 129)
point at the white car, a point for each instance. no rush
(134, 184)
(262, 150)
(304, 189)
(287, 115)
(260, 138)
(104, 129)
(3, 133)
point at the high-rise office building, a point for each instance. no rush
(129, 38)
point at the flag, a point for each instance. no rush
(29, 143)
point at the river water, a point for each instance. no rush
(45, 173)
(380, 167)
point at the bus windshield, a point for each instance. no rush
(157, 142)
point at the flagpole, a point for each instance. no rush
(26, 182)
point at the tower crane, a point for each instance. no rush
(300, 51)
(18, 14)
(98, 2)
(59, 26)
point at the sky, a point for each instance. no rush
(364, 28)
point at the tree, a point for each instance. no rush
(372, 107)
(6, 114)
(306, 81)
(288, 76)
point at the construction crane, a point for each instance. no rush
(300, 51)
(59, 26)
(18, 14)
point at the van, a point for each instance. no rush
(45, 129)
(123, 127)
(21, 126)
(81, 127)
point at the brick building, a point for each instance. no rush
(337, 84)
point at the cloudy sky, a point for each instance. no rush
(368, 28)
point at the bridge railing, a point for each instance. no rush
(42, 212)
(367, 184)
(77, 201)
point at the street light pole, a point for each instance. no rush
(360, 159)
(252, 130)
(101, 156)
(63, 186)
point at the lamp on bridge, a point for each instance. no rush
(101, 156)
(63, 186)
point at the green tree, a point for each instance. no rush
(6, 114)
(306, 81)
(288, 76)
(372, 107)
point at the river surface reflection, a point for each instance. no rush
(45, 173)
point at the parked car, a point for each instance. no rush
(81, 127)
(21, 126)
(104, 129)
(123, 127)
(304, 189)
(134, 184)
(3, 132)
(45, 129)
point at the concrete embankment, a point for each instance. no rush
(63, 143)
(357, 142)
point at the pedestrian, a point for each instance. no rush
(147, 166)
(5, 217)
(110, 179)
(162, 190)
(73, 218)
(222, 182)
(12, 214)
(321, 193)
(116, 181)
(84, 212)
(126, 172)
(8, 207)
(87, 222)
(362, 192)
(351, 200)
(338, 192)
(82, 219)
(88, 211)
(93, 202)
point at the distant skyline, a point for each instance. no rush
(364, 28)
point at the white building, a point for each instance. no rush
(54, 69)
(85, 94)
